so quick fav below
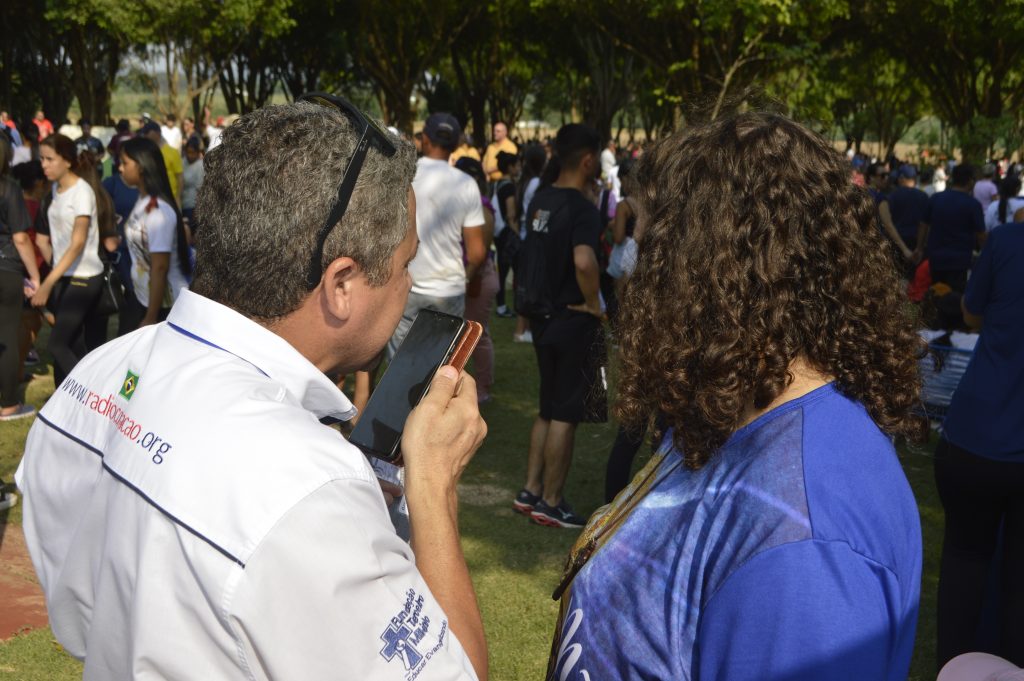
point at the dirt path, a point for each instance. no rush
(22, 605)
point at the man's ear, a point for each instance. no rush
(340, 286)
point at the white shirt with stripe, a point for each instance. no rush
(190, 516)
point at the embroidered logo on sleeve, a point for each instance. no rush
(404, 636)
(131, 381)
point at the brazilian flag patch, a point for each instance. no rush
(131, 382)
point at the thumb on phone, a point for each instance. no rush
(442, 388)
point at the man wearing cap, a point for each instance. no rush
(172, 157)
(902, 211)
(448, 215)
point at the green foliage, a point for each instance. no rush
(967, 53)
(870, 69)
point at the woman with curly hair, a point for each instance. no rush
(773, 535)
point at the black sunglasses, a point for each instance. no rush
(369, 134)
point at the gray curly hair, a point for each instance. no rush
(267, 189)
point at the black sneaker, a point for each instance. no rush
(558, 516)
(524, 502)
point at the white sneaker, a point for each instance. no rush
(24, 411)
(524, 337)
(8, 500)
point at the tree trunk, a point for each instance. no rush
(95, 60)
(396, 109)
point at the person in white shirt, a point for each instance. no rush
(171, 132)
(155, 233)
(985, 190)
(192, 178)
(608, 162)
(72, 287)
(1006, 205)
(448, 216)
(189, 510)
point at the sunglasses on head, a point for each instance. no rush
(369, 134)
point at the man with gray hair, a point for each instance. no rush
(188, 508)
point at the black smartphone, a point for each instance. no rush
(432, 339)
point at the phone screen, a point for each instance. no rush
(429, 342)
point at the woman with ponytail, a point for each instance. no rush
(72, 287)
(155, 233)
(1002, 211)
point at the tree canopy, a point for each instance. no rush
(870, 68)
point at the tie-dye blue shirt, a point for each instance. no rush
(794, 554)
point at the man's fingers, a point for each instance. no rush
(391, 491)
(467, 389)
(442, 387)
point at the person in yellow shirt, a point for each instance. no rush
(465, 148)
(172, 157)
(501, 143)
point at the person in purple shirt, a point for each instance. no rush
(985, 190)
(773, 536)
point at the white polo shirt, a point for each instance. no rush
(189, 516)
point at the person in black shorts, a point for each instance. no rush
(570, 342)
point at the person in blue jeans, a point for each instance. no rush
(979, 462)
(773, 536)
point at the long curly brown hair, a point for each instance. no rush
(758, 249)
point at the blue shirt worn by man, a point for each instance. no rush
(907, 206)
(793, 554)
(985, 414)
(955, 218)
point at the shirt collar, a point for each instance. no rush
(219, 326)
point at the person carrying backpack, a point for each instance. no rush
(557, 288)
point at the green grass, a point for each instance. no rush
(515, 565)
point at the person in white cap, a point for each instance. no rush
(449, 217)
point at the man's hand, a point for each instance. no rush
(589, 308)
(439, 439)
(442, 434)
(390, 490)
(41, 295)
(30, 287)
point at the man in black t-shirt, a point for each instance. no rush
(568, 343)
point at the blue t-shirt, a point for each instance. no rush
(907, 206)
(955, 218)
(986, 415)
(795, 553)
(124, 198)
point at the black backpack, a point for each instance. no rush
(532, 292)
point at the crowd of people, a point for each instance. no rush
(91, 244)
(763, 295)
